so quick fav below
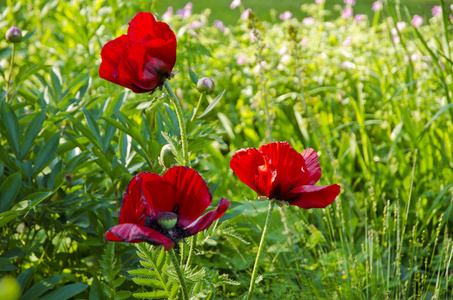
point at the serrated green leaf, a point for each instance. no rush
(47, 153)
(174, 290)
(143, 272)
(212, 105)
(154, 283)
(9, 190)
(151, 295)
(32, 131)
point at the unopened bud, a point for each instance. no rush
(167, 158)
(14, 35)
(205, 85)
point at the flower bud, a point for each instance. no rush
(205, 85)
(167, 158)
(14, 35)
(167, 220)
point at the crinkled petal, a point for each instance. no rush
(265, 179)
(289, 164)
(113, 64)
(134, 233)
(310, 196)
(245, 164)
(207, 219)
(312, 166)
(192, 193)
(144, 27)
(134, 208)
(164, 53)
(158, 192)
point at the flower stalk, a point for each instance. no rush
(261, 248)
(177, 266)
(182, 124)
(196, 108)
(10, 72)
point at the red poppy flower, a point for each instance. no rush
(162, 210)
(143, 58)
(277, 171)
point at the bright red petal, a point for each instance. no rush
(113, 54)
(312, 166)
(158, 192)
(163, 53)
(134, 208)
(265, 179)
(192, 193)
(245, 164)
(133, 233)
(207, 219)
(289, 164)
(309, 196)
(144, 27)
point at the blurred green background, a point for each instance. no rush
(220, 9)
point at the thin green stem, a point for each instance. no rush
(261, 248)
(193, 244)
(182, 124)
(182, 282)
(10, 72)
(196, 108)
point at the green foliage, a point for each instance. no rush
(159, 279)
(378, 112)
(110, 269)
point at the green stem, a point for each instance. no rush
(193, 244)
(261, 248)
(196, 108)
(182, 124)
(182, 283)
(10, 72)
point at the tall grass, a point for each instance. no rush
(376, 108)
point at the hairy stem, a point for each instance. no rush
(261, 248)
(182, 282)
(182, 124)
(193, 244)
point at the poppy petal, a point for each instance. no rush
(312, 166)
(158, 192)
(207, 219)
(290, 166)
(164, 53)
(134, 233)
(265, 179)
(192, 193)
(310, 196)
(144, 27)
(245, 163)
(134, 208)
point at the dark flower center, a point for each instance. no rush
(166, 223)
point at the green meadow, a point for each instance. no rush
(373, 100)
